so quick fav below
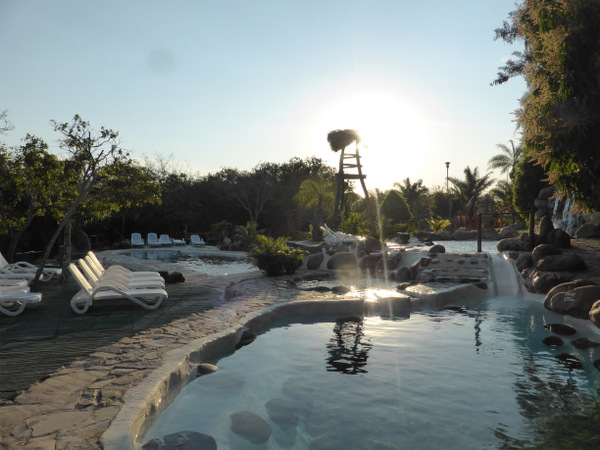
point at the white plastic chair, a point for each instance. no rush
(153, 240)
(100, 271)
(165, 240)
(136, 240)
(117, 279)
(147, 298)
(197, 241)
(25, 270)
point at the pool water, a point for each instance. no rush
(475, 377)
(211, 264)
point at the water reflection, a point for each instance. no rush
(347, 351)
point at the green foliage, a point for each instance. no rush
(438, 225)
(395, 208)
(245, 236)
(221, 230)
(275, 257)
(528, 182)
(560, 112)
(470, 189)
(507, 160)
(354, 224)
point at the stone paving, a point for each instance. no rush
(71, 407)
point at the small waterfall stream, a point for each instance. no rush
(505, 277)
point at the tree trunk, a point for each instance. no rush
(10, 254)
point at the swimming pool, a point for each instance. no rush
(211, 263)
(470, 377)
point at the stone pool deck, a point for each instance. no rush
(72, 407)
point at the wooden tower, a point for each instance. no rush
(350, 167)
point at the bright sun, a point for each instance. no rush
(395, 135)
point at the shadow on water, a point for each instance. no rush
(49, 335)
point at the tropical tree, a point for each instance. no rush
(470, 189)
(560, 111)
(416, 197)
(36, 179)
(90, 152)
(315, 198)
(503, 194)
(507, 159)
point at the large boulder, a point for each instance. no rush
(437, 248)
(342, 261)
(564, 287)
(546, 226)
(313, 262)
(369, 263)
(250, 426)
(577, 302)
(595, 315)
(588, 231)
(403, 274)
(509, 232)
(370, 245)
(512, 244)
(544, 250)
(524, 261)
(541, 282)
(464, 235)
(182, 440)
(561, 263)
(559, 238)
(283, 413)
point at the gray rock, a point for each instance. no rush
(183, 440)
(546, 226)
(313, 262)
(283, 413)
(588, 231)
(541, 282)
(250, 426)
(577, 302)
(342, 261)
(595, 318)
(403, 238)
(524, 261)
(508, 232)
(464, 235)
(559, 238)
(512, 244)
(561, 263)
(437, 248)
(564, 287)
(543, 250)
(403, 274)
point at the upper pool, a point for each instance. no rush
(209, 262)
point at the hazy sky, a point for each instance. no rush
(233, 83)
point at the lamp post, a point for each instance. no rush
(448, 192)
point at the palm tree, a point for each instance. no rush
(507, 160)
(315, 198)
(471, 189)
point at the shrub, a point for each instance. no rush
(275, 257)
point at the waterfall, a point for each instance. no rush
(506, 278)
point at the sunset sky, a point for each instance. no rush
(233, 83)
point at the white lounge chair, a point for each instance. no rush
(95, 264)
(165, 240)
(178, 241)
(25, 270)
(136, 240)
(197, 241)
(153, 240)
(116, 279)
(13, 303)
(80, 303)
